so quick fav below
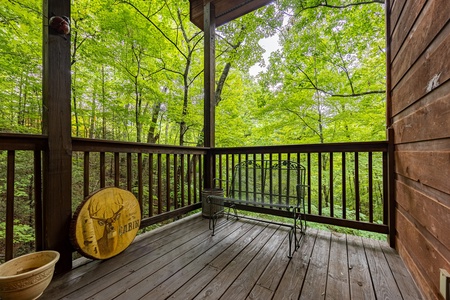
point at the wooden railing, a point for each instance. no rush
(347, 183)
(167, 181)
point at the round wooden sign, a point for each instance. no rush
(105, 223)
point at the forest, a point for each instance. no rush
(137, 75)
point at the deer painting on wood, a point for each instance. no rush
(106, 223)
(106, 216)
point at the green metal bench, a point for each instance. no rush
(266, 187)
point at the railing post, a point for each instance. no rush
(57, 167)
(391, 188)
(209, 89)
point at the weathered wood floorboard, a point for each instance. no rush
(244, 260)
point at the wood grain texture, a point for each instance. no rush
(432, 215)
(430, 71)
(425, 123)
(359, 272)
(56, 117)
(383, 280)
(290, 286)
(105, 223)
(408, 16)
(422, 250)
(426, 291)
(422, 33)
(244, 260)
(338, 278)
(401, 275)
(430, 168)
(396, 10)
(315, 284)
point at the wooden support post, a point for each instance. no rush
(209, 89)
(392, 202)
(57, 167)
(390, 133)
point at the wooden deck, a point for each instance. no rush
(244, 260)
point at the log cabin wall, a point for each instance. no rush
(419, 113)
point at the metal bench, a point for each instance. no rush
(267, 187)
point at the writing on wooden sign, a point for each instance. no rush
(105, 223)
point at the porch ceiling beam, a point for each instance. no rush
(225, 10)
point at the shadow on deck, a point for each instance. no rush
(244, 260)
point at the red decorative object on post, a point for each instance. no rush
(60, 25)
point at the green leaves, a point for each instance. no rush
(137, 72)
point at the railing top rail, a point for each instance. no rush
(378, 146)
(16, 141)
(13, 141)
(91, 145)
(9, 141)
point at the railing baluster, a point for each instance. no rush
(116, 169)
(86, 174)
(280, 179)
(218, 174)
(357, 194)
(38, 209)
(102, 170)
(370, 188)
(189, 178)
(175, 181)
(150, 185)
(182, 168)
(168, 202)
(344, 187)
(386, 180)
(140, 183)
(11, 166)
(195, 178)
(288, 179)
(309, 182)
(319, 183)
(331, 197)
(159, 188)
(263, 186)
(129, 172)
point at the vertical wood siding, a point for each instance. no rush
(419, 38)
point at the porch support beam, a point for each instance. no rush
(57, 167)
(209, 89)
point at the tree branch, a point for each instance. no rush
(157, 28)
(325, 4)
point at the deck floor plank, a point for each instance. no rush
(337, 282)
(383, 280)
(314, 285)
(217, 287)
(359, 276)
(123, 271)
(195, 267)
(403, 278)
(294, 276)
(244, 260)
(269, 280)
(82, 277)
(138, 283)
(244, 283)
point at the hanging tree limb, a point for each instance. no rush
(331, 94)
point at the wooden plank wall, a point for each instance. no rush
(419, 35)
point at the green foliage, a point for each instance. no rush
(137, 75)
(23, 233)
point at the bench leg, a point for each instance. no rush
(232, 206)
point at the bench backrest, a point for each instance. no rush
(267, 181)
